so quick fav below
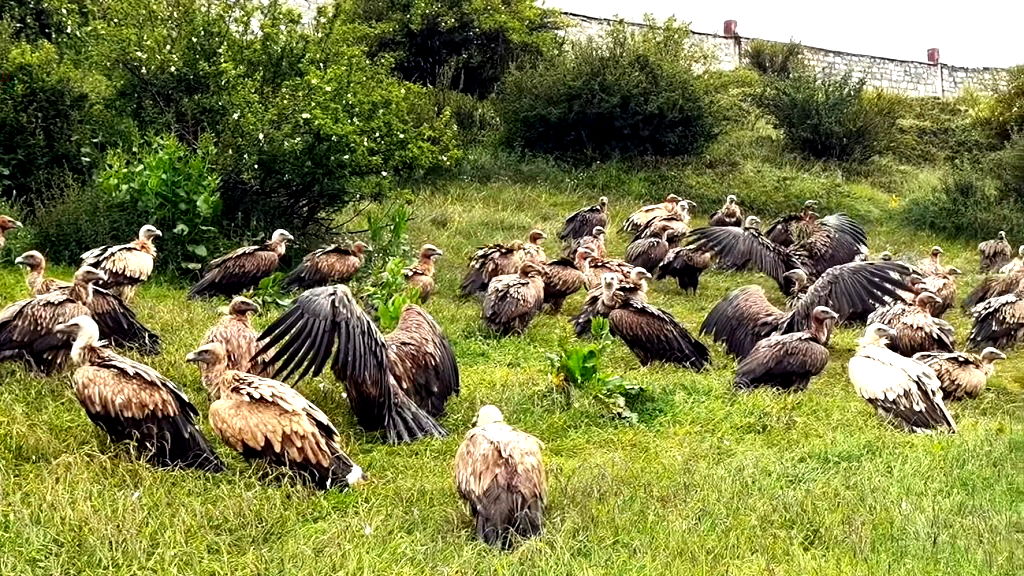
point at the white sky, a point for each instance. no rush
(967, 33)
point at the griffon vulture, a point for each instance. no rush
(648, 253)
(933, 265)
(6, 225)
(792, 228)
(913, 327)
(328, 265)
(995, 285)
(593, 242)
(672, 206)
(583, 221)
(994, 254)
(489, 262)
(1015, 264)
(126, 265)
(998, 322)
(242, 269)
(234, 331)
(685, 265)
(728, 215)
(38, 283)
(600, 301)
(513, 300)
(788, 361)
(563, 278)
(420, 276)
(963, 375)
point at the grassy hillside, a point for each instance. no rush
(709, 482)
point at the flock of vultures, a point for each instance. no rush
(906, 365)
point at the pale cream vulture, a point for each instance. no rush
(134, 403)
(126, 265)
(499, 472)
(268, 420)
(242, 269)
(328, 265)
(933, 265)
(420, 276)
(38, 283)
(672, 206)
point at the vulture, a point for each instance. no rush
(489, 262)
(583, 221)
(885, 256)
(563, 278)
(242, 269)
(648, 253)
(728, 215)
(913, 327)
(902, 390)
(998, 322)
(500, 474)
(38, 283)
(134, 403)
(420, 276)
(6, 225)
(933, 265)
(792, 228)
(126, 265)
(598, 303)
(994, 254)
(533, 251)
(234, 331)
(944, 286)
(328, 265)
(394, 383)
(594, 242)
(995, 285)
(27, 326)
(513, 300)
(1016, 264)
(598, 267)
(788, 361)
(835, 240)
(851, 290)
(268, 420)
(672, 206)
(652, 334)
(685, 265)
(657, 227)
(962, 375)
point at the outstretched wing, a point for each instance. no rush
(654, 335)
(742, 319)
(740, 248)
(837, 239)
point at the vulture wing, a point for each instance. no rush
(741, 319)
(234, 272)
(125, 265)
(837, 239)
(329, 319)
(119, 324)
(740, 248)
(131, 401)
(997, 322)
(995, 285)
(852, 290)
(500, 472)
(26, 330)
(422, 360)
(901, 387)
(656, 227)
(647, 253)
(654, 335)
(785, 361)
(561, 279)
(582, 222)
(782, 231)
(324, 266)
(510, 304)
(961, 374)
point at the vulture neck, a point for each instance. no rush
(275, 246)
(216, 378)
(81, 291)
(427, 265)
(146, 246)
(242, 319)
(84, 351)
(35, 279)
(820, 330)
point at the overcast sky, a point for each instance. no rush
(971, 33)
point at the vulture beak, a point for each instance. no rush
(832, 315)
(20, 261)
(18, 224)
(66, 328)
(997, 354)
(954, 271)
(158, 233)
(366, 248)
(438, 252)
(192, 357)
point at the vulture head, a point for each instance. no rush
(990, 355)
(1020, 251)
(430, 251)
(810, 205)
(925, 300)
(603, 203)
(877, 334)
(242, 306)
(885, 256)
(8, 223)
(360, 247)
(1002, 235)
(824, 314)
(148, 232)
(583, 255)
(730, 199)
(672, 199)
(795, 280)
(953, 271)
(598, 231)
(531, 270)
(32, 260)
(936, 251)
(752, 222)
(88, 275)
(280, 236)
(822, 320)
(84, 331)
(609, 284)
(537, 236)
(488, 414)
(638, 275)
(207, 356)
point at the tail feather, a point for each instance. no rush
(406, 422)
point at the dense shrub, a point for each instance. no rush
(629, 93)
(463, 45)
(938, 131)
(49, 20)
(1007, 114)
(832, 118)
(79, 217)
(777, 59)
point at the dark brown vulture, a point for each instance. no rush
(944, 286)
(234, 331)
(835, 240)
(242, 269)
(533, 251)
(126, 265)
(27, 326)
(995, 285)
(328, 265)
(600, 301)
(657, 227)
(852, 290)
(1015, 264)
(420, 275)
(728, 215)
(998, 322)
(38, 283)
(583, 221)
(902, 390)
(134, 403)
(563, 278)
(384, 376)
(788, 361)
(499, 472)
(994, 254)
(594, 242)
(513, 300)
(6, 225)
(648, 253)
(914, 328)
(933, 265)
(792, 228)
(489, 262)
(672, 206)
(268, 420)
(685, 265)
(963, 375)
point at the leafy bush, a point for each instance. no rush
(777, 59)
(1007, 115)
(937, 131)
(629, 93)
(47, 20)
(832, 118)
(81, 216)
(462, 45)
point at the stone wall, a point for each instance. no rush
(907, 77)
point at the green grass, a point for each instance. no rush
(709, 482)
